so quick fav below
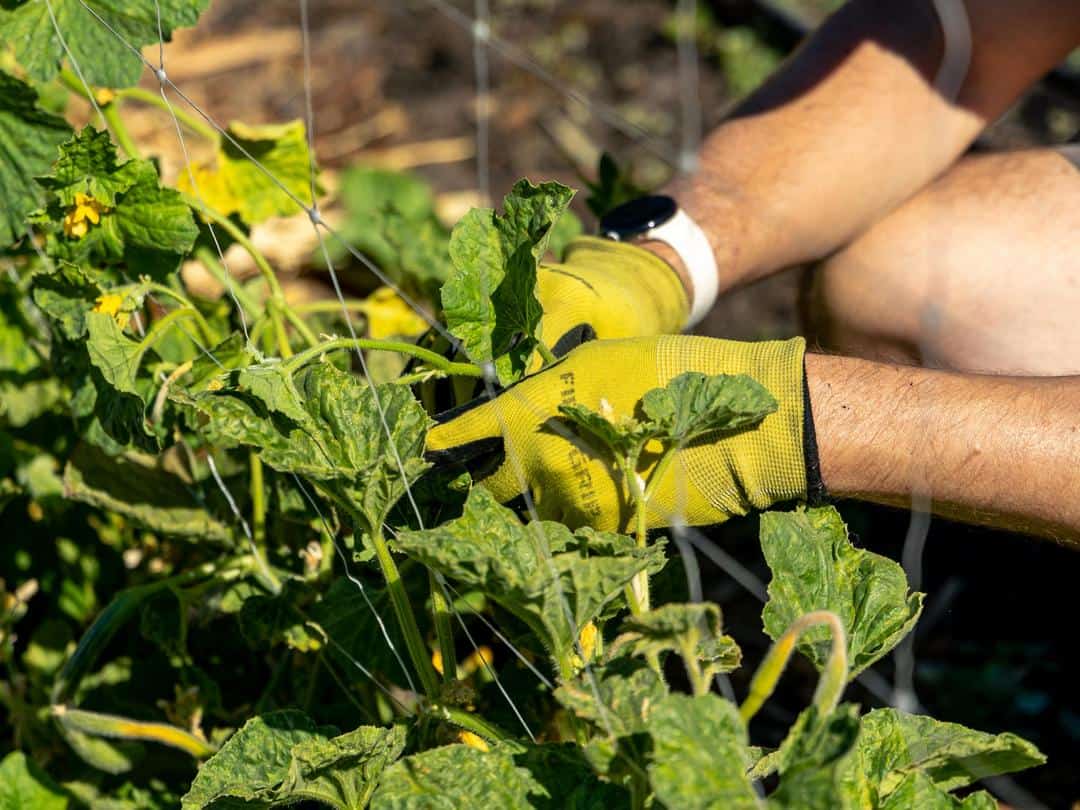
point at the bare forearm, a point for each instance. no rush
(853, 124)
(1001, 451)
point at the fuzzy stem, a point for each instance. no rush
(258, 502)
(470, 722)
(299, 325)
(208, 333)
(280, 333)
(124, 728)
(242, 239)
(215, 268)
(190, 121)
(546, 353)
(399, 598)
(833, 677)
(433, 359)
(440, 609)
(157, 331)
(120, 131)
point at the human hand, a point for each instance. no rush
(605, 289)
(519, 439)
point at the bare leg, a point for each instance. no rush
(979, 272)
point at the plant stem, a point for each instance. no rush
(399, 598)
(204, 327)
(190, 121)
(258, 502)
(546, 353)
(300, 326)
(284, 349)
(215, 268)
(470, 722)
(120, 131)
(434, 359)
(697, 678)
(242, 239)
(332, 306)
(124, 728)
(833, 677)
(440, 609)
(159, 328)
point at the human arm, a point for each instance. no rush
(999, 451)
(853, 124)
(994, 450)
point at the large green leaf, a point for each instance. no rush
(489, 297)
(141, 489)
(234, 184)
(700, 754)
(553, 580)
(29, 137)
(893, 744)
(815, 567)
(102, 56)
(814, 763)
(281, 758)
(328, 426)
(24, 785)
(456, 776)
(919, 791)
(568, 779)
(134, 219)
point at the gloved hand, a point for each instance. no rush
(519, 437)
(605, 289)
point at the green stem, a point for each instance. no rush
(470, 722)
(300, 326)
(196, 125)
(157, 331)
(399, 598)
(332, 306)
(241, 239)
(698, 681)
(258, 502)
(440, 608)
(215, 268)
(638, 588)
(433, 359)
(280, 333)
(120, 131)
(209, 334)
(833, 677)
(124, 728)
(546, 353)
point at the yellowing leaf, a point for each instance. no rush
(389, 316)
(233, 184)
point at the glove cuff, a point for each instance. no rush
(767, 463)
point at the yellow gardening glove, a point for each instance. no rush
(605, 289)
(519, 438)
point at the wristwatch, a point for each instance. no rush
(659, 218)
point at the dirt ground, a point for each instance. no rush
(393, 84)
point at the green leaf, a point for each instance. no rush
(616, 698)
(700, 754)
(267, 621)
(892, 745)
(917, 790)
(624, 436)
(554, 581)
(567, 228)
(815, 567)
(66, 295)
(344, 770)
(690, 630)
(338, 436)
(281, 758)
(345, 616)
(489, 297)
(613, 187)
(235, 185)
(693, 405)
(138, 222)
(456, 776)
(814, 763)
(29, 137)
(113, 353)
(24, 785)
(105, 60)
(568, 779)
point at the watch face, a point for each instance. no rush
(637, 217)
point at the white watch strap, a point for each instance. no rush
(688, 240)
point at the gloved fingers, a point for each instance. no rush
(572, 338)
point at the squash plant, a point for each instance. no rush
(235, 581)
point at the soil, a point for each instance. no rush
(393, 83)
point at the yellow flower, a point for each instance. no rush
(104, 95)
(112, 304)
(86, 212)
(587, 640)
(473, 740)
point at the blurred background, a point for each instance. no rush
(406, 88)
